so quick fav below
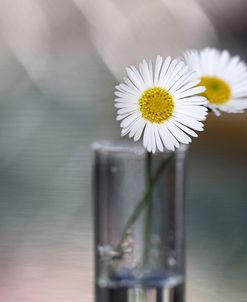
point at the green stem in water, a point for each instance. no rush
(142, 203)
(149, 210)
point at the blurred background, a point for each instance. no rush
(59, 63)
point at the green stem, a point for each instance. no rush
(149, 210)
(142, 203)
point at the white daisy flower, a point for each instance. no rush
(161, 104)
(223, 76)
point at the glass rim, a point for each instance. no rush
(129, 146)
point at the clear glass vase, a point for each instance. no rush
(139, 223)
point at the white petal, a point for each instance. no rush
(128, 109)
(158, 65)
(233, 64)
(182, 77)
(148, 132)
(135, 79)
(185, 129)
(190, 92)
(194, 100)
(188, 121)
(175, 74)
(240, 85)
(163, 71)
(188, 86)
(143, 67)
(193, 61)
(165, 137)
(129, 119)
(141, 126)
(229, 109)
(178, 133)
(146, 135)
(150, 66)
(126, 88)
(158, 141)
(122, 116)
(215, 110)
(125, 100)
(124, 105)
(239, 104)
(240, 94)
(169, 72)
(125, 95)
(194, 111)
(134, 127)
(222, 62)
(128, 128)
(130, 84)
(152, 142)
(171, 137)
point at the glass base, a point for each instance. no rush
(140, 294)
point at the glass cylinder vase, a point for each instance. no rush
(138, 223)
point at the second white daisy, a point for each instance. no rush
(224, 77)
(161, 104)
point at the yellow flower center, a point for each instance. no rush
(217, 91)
(156, 105)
